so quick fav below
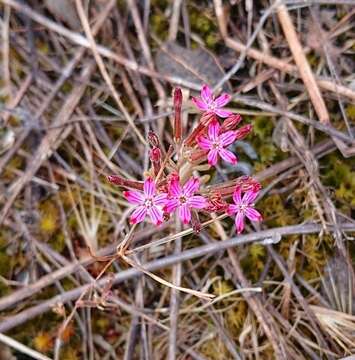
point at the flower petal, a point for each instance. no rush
(134, 197)
(197, 202)
(253, 214)
(138, 215)
(156, 215)
(222, 113)
(227, 138)
(222, 100)
(160, 199)
(149, 187)
(237, 195)
(212, 157)
(213, 130)
(239, 222)
(174, 187)
(206, 94)
(200, 104)
(204, 143)
(191, 186)
(232, 209)
(249, 197)
(228, 156)
(185, 213)
(171, 205)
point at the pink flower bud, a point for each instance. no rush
(247, 183)
(153, 139)
(155, 158)
(118, 180)
(177, 108)
(216, 203)
(231, 122)
(155, 154)
(243, 131)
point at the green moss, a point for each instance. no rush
(204, 24)
(214, 349)
(338, 174)
(16, 163)
(50, 219)
(58, 242)
(222, 287)
(5, 263)
(267, 152)
(236, 316)
(71, 353)
(350, 112)
(159, 25)
(262, 127)
(4, 289)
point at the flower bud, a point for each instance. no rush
(153, 139)
(243, 131)
(231, 122)
(118, 180)
(155, 154)
(216, 203)
(248, 183)
(155, 158)
(177, 108)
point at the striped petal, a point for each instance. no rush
(249, 197)
(197, 202)
(239, 222)
(237, 196)
(222, 100)
(206, 94)
(149, 187)
(200, 104)
(204, 143)
(160, 199)
(156, 215)
(174, 187)
(227, 138)
(185, 213)
(213, 131)
(222, 113)
(171, 205)
(228, 156)
(212, 157)
(191, 187)
(253, 215)
(232, 209)
(138, 215)
(134, 197)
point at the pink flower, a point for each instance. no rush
(209, 104)
(244, 207)
(184, 198)
(148, 201)
(216, 144)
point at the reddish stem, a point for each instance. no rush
(177, 122)
(118, 180)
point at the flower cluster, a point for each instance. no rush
(170, 189)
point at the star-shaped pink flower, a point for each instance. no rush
(209, 104)
(244, 207)
(148, 202)
(183, 198)
(216, 143)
